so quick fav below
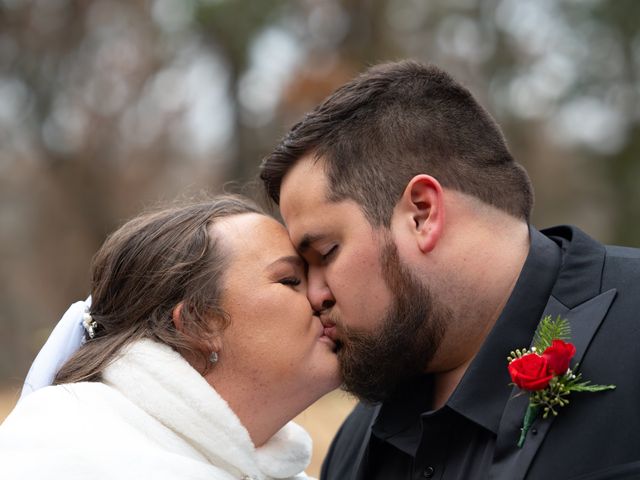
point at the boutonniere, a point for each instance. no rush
(546, 376)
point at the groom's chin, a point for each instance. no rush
(368, 384)
(367, 394)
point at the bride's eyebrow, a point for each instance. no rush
(293, 260)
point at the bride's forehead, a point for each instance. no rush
(253, 236)
(238, 227)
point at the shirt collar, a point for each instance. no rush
(484, 390)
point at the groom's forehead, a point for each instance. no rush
(303, 191)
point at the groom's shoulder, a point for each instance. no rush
(621, 271)
(617, 267)
(346, 445)
(622, 259)
(622, 253)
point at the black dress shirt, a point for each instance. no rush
(411, 441)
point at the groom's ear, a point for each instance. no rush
(421, 210)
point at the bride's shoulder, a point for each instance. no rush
(65, 397)
(56, 409)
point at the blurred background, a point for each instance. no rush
(108, 107)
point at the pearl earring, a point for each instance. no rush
(213, 358)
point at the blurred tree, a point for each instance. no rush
(232, 26)
(621, 168)
(107, 106)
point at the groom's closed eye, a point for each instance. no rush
(317, 248)
(329, 253)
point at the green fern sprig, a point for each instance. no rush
(549, 330)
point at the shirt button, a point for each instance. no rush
(428, 472)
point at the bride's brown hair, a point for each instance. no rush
(143, 271)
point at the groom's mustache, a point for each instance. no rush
(341, 334)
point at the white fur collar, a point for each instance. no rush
(159, 381)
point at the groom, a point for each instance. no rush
(401, 194)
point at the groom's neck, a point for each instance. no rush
(478, 291)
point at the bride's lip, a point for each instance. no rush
(325, 339)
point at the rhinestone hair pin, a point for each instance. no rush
(89, 324)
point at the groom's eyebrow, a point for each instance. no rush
(307, 240)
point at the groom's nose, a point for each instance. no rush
(318, 292)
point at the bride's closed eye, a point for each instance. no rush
(291, 281)
(288, 270)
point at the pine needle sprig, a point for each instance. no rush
(549, 330)
(576, 385)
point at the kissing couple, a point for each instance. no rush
(406, 271)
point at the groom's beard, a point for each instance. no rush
(375, 363)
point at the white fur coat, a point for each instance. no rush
(153, 417)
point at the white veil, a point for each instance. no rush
(64, 341)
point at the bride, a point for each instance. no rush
(198, 348)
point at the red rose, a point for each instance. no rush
(558, 356)
(529, 372)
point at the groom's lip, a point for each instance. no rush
(330, 332)
(329, 327)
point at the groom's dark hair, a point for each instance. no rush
(393, 122)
